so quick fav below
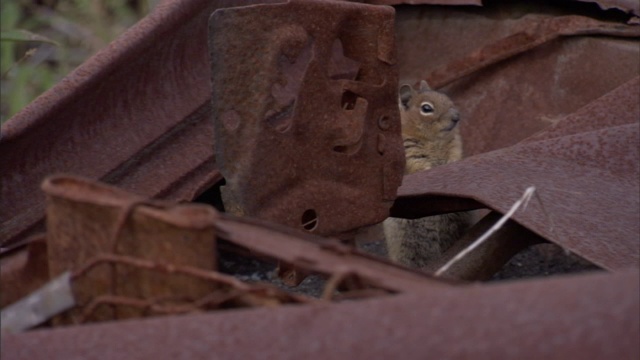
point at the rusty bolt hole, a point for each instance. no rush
(384, 122)
(309, 220)
(349, 100)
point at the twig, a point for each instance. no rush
(523, 200)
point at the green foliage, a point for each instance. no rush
(40, 44)
(24, 36)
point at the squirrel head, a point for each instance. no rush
(427, 114)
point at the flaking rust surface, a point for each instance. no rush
(305, 113)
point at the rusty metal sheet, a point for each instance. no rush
(313, 101)
(136, 115)
(516, 93)
(593, 316)
(585, 172)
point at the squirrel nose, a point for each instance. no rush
(455, 118)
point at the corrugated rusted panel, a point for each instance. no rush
(585, 170)
(136, 115)
(593, 316)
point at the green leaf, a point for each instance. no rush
(24, 36)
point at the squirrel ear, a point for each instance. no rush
(405, 93)
(424, 86)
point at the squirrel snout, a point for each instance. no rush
(455, 117)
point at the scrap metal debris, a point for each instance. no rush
(131, 258)
(543, 107)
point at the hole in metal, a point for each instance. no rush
(309, 220)
(349, 100)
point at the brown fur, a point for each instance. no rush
(431, 139)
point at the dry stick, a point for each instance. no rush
(523, 200)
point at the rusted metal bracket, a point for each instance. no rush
(305, 113)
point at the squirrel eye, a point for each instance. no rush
(426, 108)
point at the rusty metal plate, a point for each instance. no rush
(594, 316)
(306, 113)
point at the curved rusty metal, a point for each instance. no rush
(594, 316)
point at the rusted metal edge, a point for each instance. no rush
(322, 255)
(595, 316)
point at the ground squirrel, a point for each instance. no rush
(431, 138)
